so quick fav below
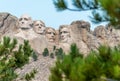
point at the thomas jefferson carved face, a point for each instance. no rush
(50, 34)
(25, 21)
(39, 27)
(64, 34)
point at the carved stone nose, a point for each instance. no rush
(52, 35)
(62, 36)
(22, 22)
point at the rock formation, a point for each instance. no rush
(41, 36)
(8, 24)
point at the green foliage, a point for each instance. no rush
(61, 4)
(29, 76)
(102, 10)
(46, 52)
(35, 56)
(103, 65)
(58, 52)
(115, 7)
(79, 5)
(23, 54)
(52, 55)
(11, 58)
(74, 51)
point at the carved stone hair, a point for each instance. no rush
(64, 26)
(47, 28)
(40, 21)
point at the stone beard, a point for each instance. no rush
(25, 21)
(39, 27)
(50, 34)
(64, 34)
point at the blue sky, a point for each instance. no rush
(43, 10)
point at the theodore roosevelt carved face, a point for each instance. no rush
(50, 34)
(25, 21)
(39, 27)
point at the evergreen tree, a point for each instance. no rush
(29, 76)
(102, 10)
(103, 65)
(12, 58)
(45, 52)
(59, 53)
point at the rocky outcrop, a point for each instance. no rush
(8, 24)
(42, 65)
(41, 36)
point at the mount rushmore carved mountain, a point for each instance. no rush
(41, 36)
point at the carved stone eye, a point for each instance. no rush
(54, 34)
(26, 19)
(20, 19)
(36, 24)
(60, 32)
(41, 24)
(64, 32)
(49, 32)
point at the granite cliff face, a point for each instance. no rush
(41, 36)
(8, 23)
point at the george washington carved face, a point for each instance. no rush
(50, 34)
(25, 21)
(39, 27)
(64, 33)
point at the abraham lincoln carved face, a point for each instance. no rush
(39, 27)
(25, 21)
(50, 34)
(64, 34)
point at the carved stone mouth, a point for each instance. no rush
(25, 28)
(62, 38)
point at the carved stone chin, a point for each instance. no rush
(50, 34)
(39, 27)
(26, 34)
(25, 21)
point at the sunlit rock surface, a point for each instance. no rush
(41, 36)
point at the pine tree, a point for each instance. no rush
(103, 65)
(29, 76)
(102, 10)
(45, 52)
(12, 58)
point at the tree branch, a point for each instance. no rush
(81, 9)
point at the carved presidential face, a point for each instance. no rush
(64, 34)
(50, 34)
(39, 27)
(25, 21)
